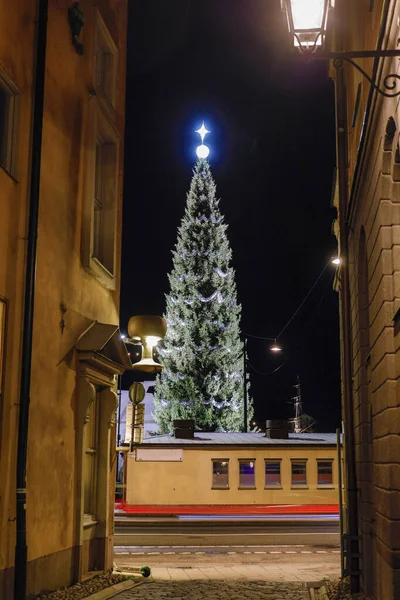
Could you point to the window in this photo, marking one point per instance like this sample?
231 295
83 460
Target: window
3 308
220 474
90 434
8 111
272 473
246 474
106 63
104 204
101 200
99 226
325 473
299 473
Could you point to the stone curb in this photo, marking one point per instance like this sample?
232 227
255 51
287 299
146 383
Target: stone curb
319 593
113 590
317 590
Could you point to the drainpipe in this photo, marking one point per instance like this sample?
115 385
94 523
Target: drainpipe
20 567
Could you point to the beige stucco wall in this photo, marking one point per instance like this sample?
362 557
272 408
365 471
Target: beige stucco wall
16 31
376 341
190 481
62 279
60 276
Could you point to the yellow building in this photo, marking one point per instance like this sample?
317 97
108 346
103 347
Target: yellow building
370 178
59 292
233 469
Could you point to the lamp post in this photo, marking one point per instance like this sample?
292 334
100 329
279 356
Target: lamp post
308 23
146 330
274 348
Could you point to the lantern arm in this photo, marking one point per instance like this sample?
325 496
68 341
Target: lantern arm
389 82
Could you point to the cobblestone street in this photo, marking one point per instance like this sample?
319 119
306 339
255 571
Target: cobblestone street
215 590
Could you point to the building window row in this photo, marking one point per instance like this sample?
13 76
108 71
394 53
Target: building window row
272 473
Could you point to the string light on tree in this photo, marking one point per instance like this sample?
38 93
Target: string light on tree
202 151
202 351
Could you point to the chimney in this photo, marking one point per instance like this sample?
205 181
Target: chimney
183 429
277 429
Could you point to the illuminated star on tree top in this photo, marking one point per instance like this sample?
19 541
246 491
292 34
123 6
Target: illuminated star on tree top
202 131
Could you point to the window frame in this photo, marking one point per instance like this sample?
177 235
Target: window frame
103 252
247 461
325 486
214 486
92 420
104 41
100 128
295 485
272 486
10 163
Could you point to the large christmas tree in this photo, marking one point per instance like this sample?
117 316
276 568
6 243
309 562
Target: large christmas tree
202 352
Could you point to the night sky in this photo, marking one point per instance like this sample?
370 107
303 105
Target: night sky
271 117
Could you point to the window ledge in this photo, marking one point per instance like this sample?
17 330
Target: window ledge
220 488
89 521
325 487
9 173
247 487
273 487
101 273
299 487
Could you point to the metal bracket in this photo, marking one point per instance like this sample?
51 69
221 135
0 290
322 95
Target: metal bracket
389 83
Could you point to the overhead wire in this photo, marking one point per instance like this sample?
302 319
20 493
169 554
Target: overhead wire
260 373
258 337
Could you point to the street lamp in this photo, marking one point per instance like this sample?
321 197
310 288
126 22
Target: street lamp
146 330
308 21
274 348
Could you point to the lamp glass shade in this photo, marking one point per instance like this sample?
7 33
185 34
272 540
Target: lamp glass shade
308 14
307 20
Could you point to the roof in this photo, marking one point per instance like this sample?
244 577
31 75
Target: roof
202 438
104 340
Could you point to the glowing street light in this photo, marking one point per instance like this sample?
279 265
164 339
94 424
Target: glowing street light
275 347
147 330
336 260
307 21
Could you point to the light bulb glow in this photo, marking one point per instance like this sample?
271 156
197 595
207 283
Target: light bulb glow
202 131
202 151
151 340
336 260
276 348
307 14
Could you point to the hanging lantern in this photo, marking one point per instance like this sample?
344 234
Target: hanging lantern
307 21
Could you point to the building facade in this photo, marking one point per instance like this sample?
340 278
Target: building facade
233 469
76 351
372 170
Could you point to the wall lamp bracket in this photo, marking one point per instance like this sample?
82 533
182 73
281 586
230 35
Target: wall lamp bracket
390 82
